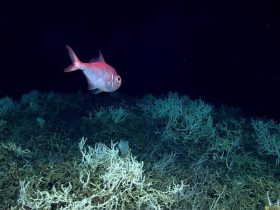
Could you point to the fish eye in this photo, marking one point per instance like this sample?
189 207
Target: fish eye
118 79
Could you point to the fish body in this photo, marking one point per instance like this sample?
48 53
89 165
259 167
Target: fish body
101 77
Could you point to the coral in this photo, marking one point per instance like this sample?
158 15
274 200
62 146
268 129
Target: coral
182 119
267 134
118 114
227 162
106 181
6 104
16 150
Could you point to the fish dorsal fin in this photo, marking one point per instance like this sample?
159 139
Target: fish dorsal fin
100 58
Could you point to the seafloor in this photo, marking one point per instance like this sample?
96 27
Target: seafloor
113 151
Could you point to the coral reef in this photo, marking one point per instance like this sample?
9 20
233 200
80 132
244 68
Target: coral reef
183 154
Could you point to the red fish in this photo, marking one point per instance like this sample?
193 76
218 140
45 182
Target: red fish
101 77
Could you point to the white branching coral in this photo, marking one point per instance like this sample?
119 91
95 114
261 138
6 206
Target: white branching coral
107 181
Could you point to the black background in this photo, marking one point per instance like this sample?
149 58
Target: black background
225 52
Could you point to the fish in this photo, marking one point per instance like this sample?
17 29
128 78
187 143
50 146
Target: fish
100 76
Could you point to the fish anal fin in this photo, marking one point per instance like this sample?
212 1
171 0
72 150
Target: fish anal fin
96 91
91 86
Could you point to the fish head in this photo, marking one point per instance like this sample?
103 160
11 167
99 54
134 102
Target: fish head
101 76
116 82
106 79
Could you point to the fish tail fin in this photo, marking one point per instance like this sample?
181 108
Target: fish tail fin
75 60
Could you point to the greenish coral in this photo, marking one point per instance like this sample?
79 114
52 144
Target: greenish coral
16 150
181 118
6 104
267 134
117 115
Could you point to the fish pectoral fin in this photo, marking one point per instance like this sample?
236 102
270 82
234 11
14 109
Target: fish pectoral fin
91 86
96 91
